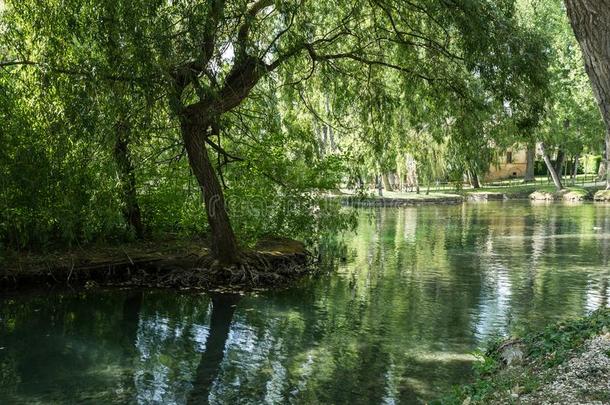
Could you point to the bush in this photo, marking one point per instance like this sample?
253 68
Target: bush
540 168
591 163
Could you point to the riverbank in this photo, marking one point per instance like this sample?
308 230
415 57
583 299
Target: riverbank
175 263
567 363
522 191
532 191
398 199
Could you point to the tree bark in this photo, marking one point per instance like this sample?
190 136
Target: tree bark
474 179
530 154
224 244
551 168
601 172
590 20
386 182
559 160
378 185
575 167
330 132
323 140
606 166
122 157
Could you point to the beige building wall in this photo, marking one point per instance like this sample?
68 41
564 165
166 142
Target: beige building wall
510 164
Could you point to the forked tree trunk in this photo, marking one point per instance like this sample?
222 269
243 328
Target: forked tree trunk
590 20
551 168
224 244
530 156
122 157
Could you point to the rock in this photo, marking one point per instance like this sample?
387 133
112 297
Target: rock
573 195
602 196
583 380
576 195
511 352
544 196
482 196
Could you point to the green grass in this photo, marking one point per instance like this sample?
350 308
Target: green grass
544 351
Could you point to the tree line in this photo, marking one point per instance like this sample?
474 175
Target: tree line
124 119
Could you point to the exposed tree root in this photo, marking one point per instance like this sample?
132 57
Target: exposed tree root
269 266
254 270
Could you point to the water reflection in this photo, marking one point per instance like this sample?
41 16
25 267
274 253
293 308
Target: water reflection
421 289
223 308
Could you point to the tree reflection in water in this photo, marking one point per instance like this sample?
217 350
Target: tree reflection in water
422 288
223 308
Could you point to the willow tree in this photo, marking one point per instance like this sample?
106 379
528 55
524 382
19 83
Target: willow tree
590 20
206 57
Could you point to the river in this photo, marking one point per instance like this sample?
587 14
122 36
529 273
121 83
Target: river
420 289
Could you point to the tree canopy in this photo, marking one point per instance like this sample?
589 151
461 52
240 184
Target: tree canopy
122 116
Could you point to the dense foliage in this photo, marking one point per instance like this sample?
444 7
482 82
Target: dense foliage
119 115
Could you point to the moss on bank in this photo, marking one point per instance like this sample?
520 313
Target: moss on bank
544 356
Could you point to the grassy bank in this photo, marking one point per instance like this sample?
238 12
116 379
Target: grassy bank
568 362
510 191
397 199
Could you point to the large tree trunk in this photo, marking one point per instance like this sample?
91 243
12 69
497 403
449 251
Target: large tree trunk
590 20
551 168
122 157
224 244
530 156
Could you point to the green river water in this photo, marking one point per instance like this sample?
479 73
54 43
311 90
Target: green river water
420 290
